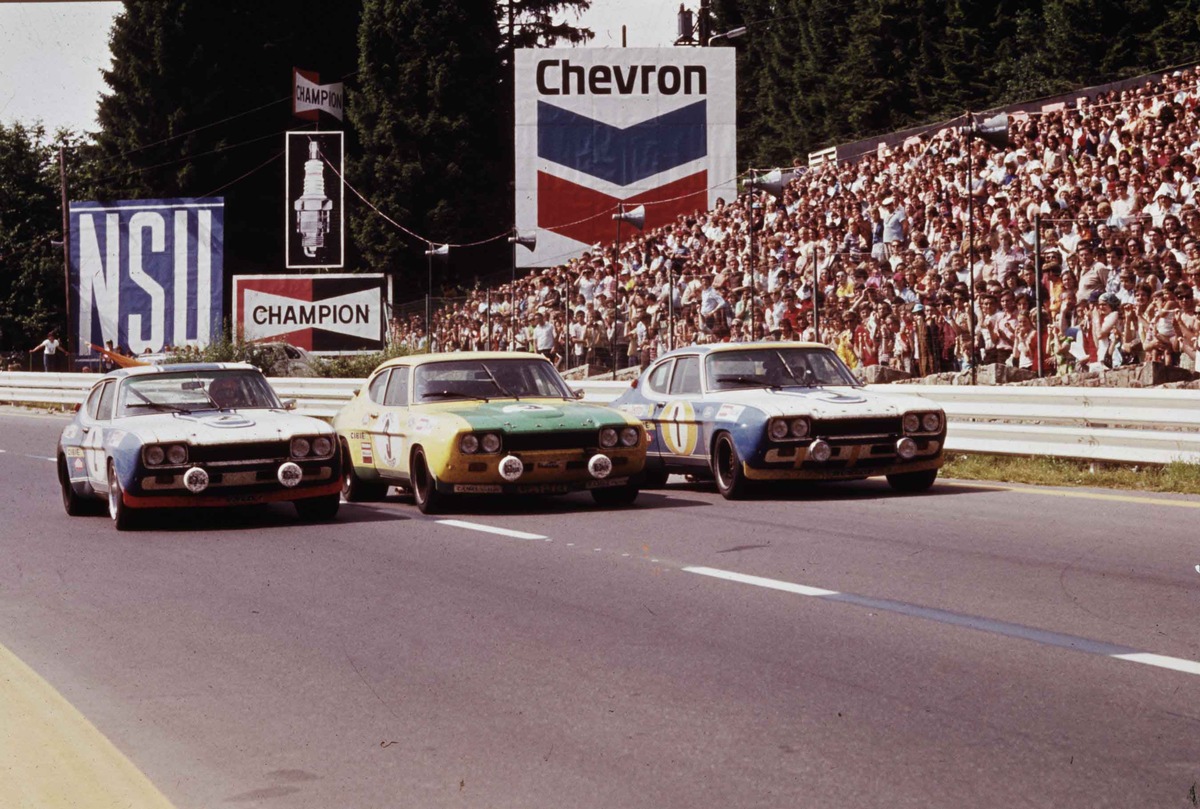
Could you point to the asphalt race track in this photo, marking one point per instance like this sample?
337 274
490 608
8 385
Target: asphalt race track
839 646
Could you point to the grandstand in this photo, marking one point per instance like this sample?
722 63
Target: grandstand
882 244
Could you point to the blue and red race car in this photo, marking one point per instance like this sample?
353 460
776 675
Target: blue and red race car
188 435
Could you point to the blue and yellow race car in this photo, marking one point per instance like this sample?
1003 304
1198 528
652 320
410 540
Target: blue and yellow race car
748 412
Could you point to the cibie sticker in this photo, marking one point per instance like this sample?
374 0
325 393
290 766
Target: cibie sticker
730 412
526 408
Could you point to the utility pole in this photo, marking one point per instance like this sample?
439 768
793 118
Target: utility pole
703 24
66 231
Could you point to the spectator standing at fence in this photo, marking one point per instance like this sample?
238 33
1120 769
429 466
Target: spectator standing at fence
49 348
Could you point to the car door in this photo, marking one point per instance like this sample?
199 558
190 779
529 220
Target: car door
369 420
394 434
654 390
678 426
98 415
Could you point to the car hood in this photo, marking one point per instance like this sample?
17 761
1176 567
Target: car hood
824 403
225 427
526 414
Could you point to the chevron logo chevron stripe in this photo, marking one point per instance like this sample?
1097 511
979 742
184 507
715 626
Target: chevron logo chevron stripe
622 156
561 203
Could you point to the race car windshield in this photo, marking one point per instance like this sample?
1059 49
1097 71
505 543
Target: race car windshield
195 390
776 368
488 379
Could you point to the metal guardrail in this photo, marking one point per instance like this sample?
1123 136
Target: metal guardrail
1144 425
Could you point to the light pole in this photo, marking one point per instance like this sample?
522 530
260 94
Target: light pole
434 250
994 130
637 218
529 242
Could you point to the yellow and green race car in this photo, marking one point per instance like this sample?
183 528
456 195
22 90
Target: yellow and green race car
478 423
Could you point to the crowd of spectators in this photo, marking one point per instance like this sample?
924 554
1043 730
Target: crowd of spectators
882 246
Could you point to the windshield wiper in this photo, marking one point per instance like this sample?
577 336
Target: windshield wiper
500 387
452 394
155 405
789 370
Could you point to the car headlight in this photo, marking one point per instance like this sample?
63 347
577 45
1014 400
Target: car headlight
779 430
932 422
799 428
608 437
490 442
629 437
177 454
300 447
155 455
469 444
912 423
322 446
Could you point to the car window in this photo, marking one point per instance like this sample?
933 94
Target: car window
191 391
105 410
292 354
686 379
397 389
487 379
376 388
660 377
93 401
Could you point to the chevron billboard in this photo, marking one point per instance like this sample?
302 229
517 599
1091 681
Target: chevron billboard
323 314
601 126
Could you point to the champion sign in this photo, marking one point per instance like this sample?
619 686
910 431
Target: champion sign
600 127
146 274
321 313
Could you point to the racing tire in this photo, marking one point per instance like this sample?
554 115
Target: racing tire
318 509
615 496
424 487
911 482
727 469
74 504
354 488
654 478
123 517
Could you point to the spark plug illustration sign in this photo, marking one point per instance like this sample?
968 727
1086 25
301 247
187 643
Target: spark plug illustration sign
315 202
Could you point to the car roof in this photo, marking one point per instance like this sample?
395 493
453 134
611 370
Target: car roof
184 367
446 356
714 348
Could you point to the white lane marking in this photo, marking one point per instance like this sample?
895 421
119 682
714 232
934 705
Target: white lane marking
758 581
41 458
1162 661
1059 639
490 529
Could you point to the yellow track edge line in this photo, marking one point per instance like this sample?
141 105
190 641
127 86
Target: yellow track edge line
52 757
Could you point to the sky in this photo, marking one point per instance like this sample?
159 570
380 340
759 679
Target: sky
52 53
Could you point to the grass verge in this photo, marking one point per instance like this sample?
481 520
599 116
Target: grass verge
1182 478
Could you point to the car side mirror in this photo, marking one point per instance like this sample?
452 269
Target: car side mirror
289 404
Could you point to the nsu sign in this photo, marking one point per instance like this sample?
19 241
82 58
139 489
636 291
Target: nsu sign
147 274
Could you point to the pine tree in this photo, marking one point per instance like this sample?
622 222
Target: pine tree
429 120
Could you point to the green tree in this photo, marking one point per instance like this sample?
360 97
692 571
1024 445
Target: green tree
541 23
428 116
31 265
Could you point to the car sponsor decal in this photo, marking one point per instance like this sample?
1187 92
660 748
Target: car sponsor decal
78 464
729 412
678 425
638 411
422 425
73 452
549 465
543 488
476 488
526 408
368 456
71 431
114 437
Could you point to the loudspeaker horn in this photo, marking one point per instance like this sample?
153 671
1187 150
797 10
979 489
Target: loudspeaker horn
634 216
526 240
438 250
994 130
773 182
